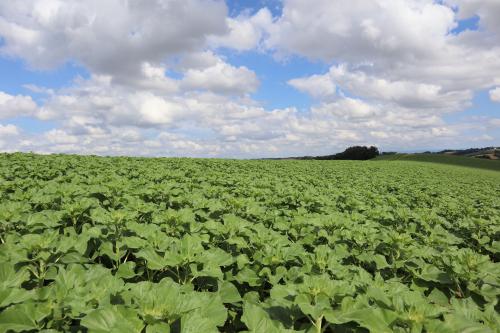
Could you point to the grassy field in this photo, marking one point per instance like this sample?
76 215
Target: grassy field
470 162
194 245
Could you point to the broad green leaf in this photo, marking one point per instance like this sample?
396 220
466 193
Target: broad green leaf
126 270
432 273
113 319
21 317
13 295
158 328
257 320
154 261
228 292
380 261
374 319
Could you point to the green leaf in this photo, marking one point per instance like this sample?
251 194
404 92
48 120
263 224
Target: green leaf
438 297
380 261
196 323
9 277
432 273
216 257
257 320
114 319
494 247
134 242
228 292
213 309
14 295
126 270
375 319
20 317
249 276
154 261
158 328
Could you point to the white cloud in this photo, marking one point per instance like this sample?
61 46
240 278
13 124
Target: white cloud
197 60
16 105
361 30
488 12
151 77
59 136
97 104
154 110
399 59
406 93
110 36
495 95
319 86
347 108
403 93
245 32
9 135
8 130
98 117
401 51
221 78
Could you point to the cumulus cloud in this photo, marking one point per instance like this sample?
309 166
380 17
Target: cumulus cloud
107 37
347 108
319 86
97 103
400 60
221 78
488 12
16 105
403 93
101 118
401 50
361 30
222 126
245 32
9 135
8 130
151 77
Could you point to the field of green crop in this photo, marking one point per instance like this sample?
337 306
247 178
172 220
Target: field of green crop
463 161
191 245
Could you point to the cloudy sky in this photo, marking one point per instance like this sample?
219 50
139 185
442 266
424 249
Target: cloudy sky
248 78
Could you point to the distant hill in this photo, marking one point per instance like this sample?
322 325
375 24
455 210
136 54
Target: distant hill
359 153
465 160
482 158
490 153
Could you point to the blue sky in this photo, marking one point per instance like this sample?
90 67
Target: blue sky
258 82
236 7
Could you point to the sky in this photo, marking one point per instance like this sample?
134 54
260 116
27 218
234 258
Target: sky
248 78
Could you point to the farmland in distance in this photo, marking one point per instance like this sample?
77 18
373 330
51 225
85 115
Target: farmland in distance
118 244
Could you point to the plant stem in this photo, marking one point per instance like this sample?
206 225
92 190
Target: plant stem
318 323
